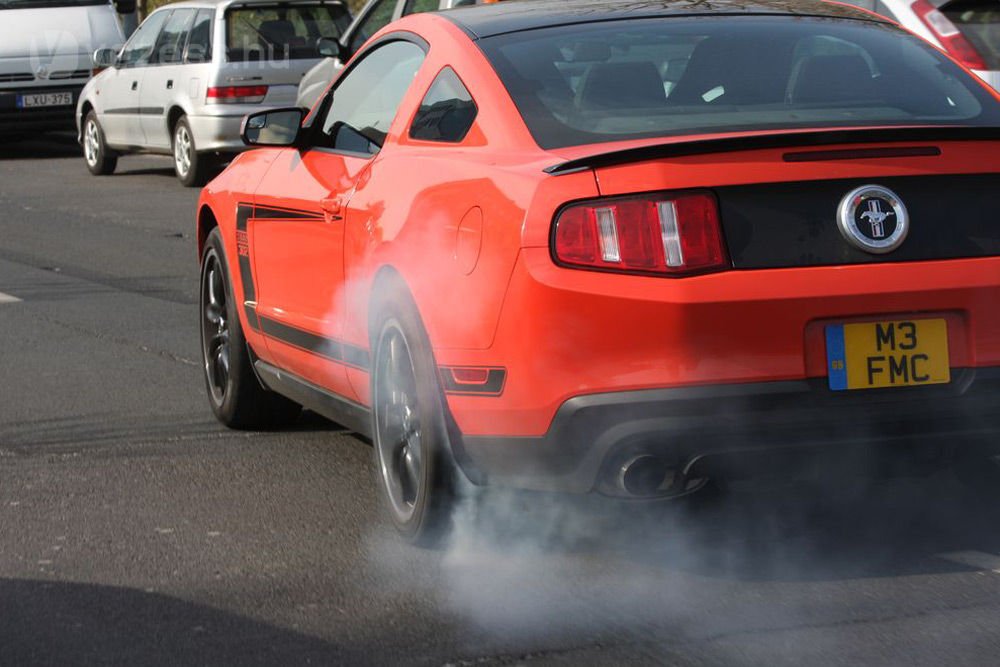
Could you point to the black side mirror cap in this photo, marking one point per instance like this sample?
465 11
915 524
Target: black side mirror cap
274 127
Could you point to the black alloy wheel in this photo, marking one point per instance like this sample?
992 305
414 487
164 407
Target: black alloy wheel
215 329
236 395
416 474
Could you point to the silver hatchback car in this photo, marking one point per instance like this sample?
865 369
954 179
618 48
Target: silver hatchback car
183 82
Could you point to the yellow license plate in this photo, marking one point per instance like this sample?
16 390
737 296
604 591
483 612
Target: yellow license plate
899 353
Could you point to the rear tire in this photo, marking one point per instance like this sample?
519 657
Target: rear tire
234 392
99 158
193 169
415 472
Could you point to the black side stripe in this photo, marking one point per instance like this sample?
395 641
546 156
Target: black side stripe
275 213
243 214
328 348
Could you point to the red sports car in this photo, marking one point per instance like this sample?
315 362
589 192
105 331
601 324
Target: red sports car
619 248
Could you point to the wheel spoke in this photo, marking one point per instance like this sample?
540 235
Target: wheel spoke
219 339
221 366
215 286
213 315
411 462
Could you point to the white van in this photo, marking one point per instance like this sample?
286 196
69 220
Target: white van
46 52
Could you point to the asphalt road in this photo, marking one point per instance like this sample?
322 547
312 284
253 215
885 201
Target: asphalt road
134 530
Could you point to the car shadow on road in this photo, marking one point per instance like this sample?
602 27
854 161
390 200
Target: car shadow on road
166 171
58 623
40 147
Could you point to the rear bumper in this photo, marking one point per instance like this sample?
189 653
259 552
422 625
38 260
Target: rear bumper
735 429
15 121
218 133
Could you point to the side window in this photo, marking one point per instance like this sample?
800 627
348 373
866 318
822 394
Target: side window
139 49
377 18
199 46
366 99
282 31
419 6
170 45
446 112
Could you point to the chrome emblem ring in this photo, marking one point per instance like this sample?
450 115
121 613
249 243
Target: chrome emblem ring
873 218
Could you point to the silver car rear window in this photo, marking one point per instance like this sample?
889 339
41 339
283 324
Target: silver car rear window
282 31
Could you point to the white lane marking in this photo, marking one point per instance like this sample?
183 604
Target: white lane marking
977 559
7 298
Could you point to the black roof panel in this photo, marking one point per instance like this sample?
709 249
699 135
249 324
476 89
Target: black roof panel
516 15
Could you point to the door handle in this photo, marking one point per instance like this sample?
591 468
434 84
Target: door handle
332 207
135 85
170 84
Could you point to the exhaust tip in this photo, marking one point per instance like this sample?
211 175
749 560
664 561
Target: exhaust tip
644 475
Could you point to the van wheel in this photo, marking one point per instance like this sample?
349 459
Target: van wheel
234 392
100 160
416 475
192 168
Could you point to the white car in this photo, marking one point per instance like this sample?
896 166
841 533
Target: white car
45 58
968 30
183 82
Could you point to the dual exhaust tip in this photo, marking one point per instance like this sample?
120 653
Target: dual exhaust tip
645 476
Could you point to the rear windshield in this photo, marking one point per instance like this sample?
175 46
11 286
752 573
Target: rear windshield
979 22
282 32
643 78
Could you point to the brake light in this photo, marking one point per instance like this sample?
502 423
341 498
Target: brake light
672 236
236 95
951 38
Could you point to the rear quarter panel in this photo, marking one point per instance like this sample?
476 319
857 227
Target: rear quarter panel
447 218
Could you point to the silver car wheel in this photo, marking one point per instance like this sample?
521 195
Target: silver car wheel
182 150
91 143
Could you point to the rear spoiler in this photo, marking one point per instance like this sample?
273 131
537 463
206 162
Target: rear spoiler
780 140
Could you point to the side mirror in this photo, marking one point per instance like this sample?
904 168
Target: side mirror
277 127
125 6
330 48
105 57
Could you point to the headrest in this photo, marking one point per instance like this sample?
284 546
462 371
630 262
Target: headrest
622 85
830 78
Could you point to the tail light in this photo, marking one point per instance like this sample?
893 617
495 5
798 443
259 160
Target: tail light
237 95
671 235
951 38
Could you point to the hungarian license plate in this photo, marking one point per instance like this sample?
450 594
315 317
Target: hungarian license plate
898 353
30 100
